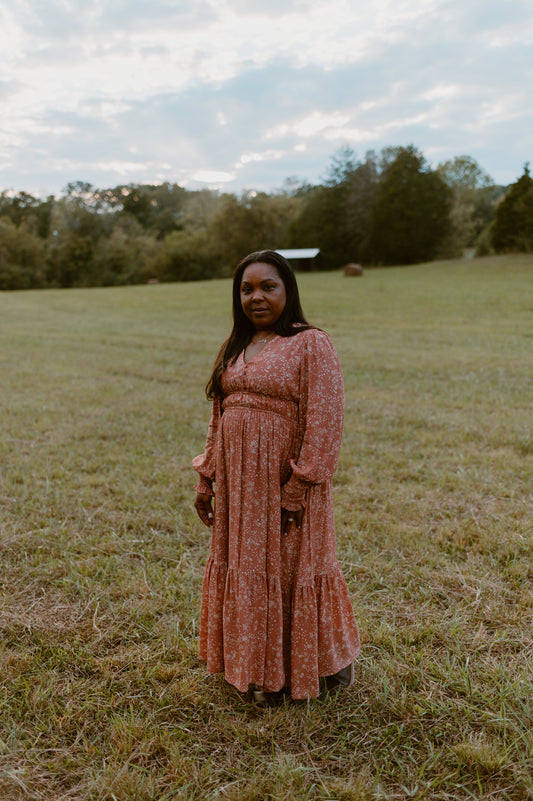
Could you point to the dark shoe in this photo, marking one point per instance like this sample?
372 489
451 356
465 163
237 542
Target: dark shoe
341 679
263 698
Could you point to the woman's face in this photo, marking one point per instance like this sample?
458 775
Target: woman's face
263 295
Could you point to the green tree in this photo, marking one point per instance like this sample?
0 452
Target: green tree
127 256
23 207
254 221
187 256
200 207
410 214
473 203
360 188
513 224
78 221
335 216
319 224
342 164
22 257
158 208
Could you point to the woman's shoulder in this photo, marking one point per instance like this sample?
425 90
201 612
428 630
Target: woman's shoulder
313 336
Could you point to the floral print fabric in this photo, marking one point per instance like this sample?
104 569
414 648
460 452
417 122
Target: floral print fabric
275 608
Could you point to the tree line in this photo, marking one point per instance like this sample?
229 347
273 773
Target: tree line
383 209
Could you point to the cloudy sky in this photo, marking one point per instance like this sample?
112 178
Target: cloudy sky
242 94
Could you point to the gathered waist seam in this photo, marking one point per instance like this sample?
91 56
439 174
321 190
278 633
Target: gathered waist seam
287 409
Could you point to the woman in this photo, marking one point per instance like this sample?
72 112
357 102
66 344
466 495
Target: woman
275 606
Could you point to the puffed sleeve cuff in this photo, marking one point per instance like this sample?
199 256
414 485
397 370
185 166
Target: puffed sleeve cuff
204 486
204 464
293 494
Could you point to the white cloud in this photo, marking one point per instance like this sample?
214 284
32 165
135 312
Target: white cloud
504 37
505 109
126 168
94 59
318 122
198 88
212 176
442 91
267 155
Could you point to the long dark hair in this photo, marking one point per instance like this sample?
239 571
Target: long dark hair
243 329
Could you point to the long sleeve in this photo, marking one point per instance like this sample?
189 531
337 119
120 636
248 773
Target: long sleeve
321 415
205 463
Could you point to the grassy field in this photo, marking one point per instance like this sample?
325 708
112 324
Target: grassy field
102 695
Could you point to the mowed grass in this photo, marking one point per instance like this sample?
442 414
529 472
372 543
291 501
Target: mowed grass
102 409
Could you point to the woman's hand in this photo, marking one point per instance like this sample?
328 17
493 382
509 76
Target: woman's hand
204 506
289 519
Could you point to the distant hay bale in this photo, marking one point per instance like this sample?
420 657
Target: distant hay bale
353 269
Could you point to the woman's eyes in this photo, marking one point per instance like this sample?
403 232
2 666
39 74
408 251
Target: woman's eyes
246 290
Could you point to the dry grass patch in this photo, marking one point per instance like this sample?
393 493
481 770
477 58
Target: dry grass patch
102 697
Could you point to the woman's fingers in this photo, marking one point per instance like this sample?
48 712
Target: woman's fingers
289 519
204 507
206 516
298 517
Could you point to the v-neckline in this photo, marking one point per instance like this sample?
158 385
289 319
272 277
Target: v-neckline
260 352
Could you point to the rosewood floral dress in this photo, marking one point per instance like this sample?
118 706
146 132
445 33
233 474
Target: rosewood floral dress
275 608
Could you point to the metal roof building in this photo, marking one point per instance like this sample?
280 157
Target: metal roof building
301 258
